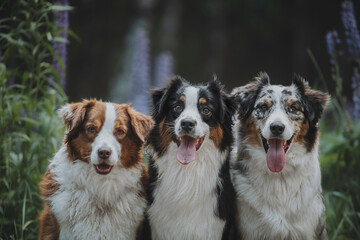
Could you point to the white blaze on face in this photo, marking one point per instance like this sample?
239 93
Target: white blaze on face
278 114
106 138
191 111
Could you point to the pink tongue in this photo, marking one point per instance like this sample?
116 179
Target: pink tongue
275 157
187 150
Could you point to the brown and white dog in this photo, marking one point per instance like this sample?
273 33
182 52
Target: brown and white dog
190 191
94 187
275 169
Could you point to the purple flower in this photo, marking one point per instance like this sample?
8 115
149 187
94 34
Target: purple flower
351 31
140 72
356 94
61 23
332 39
164 68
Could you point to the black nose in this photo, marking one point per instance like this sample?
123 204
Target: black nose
104 152
188 124
277 128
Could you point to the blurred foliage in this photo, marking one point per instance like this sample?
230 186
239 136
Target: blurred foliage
30 93
340 155
340 140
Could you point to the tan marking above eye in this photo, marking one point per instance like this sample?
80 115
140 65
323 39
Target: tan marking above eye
202 100
268 102
183 98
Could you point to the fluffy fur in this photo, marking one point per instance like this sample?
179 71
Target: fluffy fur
196 200
84 200
286 204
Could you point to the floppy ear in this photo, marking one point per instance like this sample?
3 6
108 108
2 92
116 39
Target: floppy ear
227 105
314 101
74 114
160 96
140 123
246 96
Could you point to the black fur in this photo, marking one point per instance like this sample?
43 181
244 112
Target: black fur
223 108
227 209
314 103
153 176
246 96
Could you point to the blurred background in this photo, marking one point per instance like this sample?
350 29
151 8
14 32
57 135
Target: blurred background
58 51
232 39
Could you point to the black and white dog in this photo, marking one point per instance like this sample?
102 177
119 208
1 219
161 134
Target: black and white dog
190 193
275 169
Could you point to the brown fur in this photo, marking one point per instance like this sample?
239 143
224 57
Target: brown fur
251 133
165 136
144 182
135 128
49 227
78 139
216 135
140 123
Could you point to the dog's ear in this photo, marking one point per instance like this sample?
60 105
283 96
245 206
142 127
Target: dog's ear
140 123
314 101
160 96
246 96
74 114
227 106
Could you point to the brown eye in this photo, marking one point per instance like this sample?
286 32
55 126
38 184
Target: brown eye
293 109
264 107
91 129
177 108
120 132
206 111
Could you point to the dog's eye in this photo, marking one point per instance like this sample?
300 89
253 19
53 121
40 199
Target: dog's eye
293 109
264 107
206 111
177 108
120 132
91 129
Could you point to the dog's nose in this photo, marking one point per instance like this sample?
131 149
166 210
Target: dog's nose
188 124
277 128
104 152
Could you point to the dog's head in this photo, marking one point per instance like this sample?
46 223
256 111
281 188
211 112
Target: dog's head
275 117
105 135
190 116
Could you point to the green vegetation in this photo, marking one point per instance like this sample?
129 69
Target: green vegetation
30 130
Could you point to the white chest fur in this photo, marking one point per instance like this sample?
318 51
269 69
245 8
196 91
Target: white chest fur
284 205
92 206
185 198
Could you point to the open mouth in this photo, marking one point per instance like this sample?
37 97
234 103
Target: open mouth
286 144
275 152
103 168
187 148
